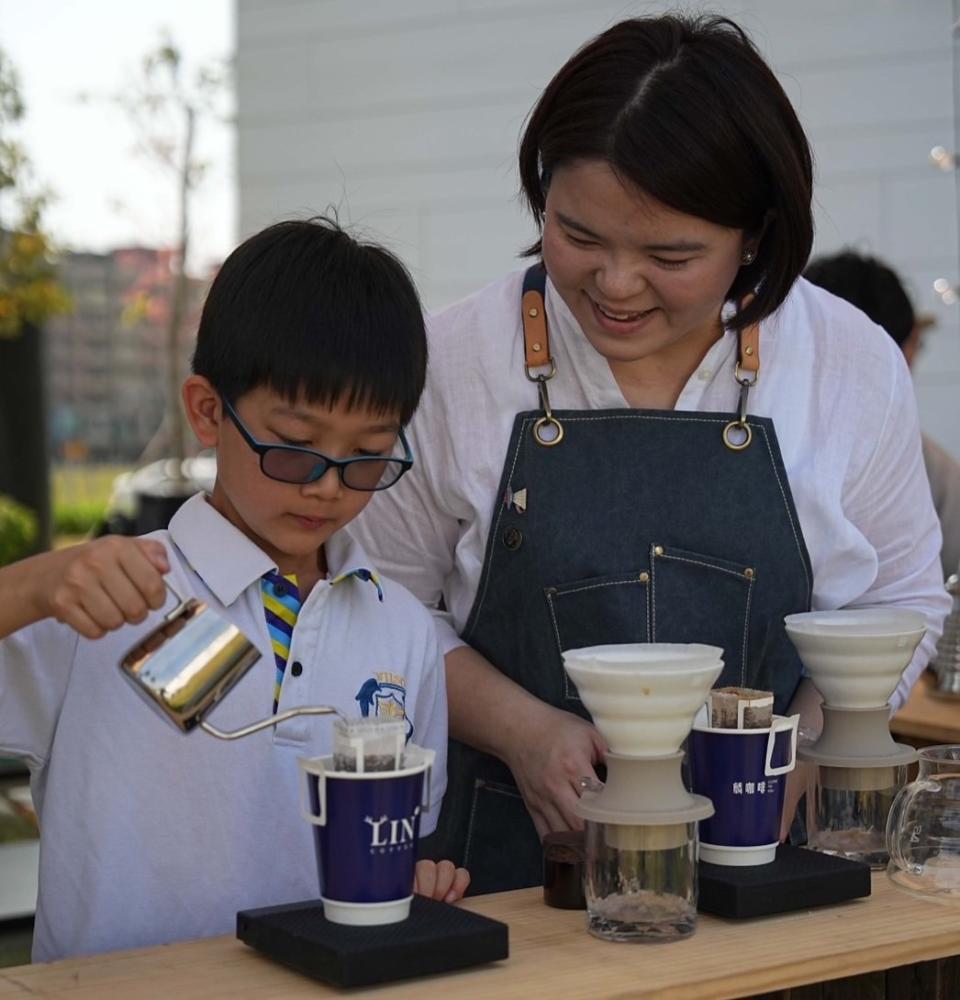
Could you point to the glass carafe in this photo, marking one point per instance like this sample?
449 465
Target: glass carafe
640 882
923 829
847 810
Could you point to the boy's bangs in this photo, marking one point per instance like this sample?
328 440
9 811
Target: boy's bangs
310 312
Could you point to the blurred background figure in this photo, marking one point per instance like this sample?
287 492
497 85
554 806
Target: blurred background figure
875 289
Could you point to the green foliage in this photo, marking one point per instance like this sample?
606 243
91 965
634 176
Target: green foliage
29 291
77 518
18 531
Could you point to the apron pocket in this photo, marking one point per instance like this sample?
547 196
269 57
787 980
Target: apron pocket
702 598
503 850
597 611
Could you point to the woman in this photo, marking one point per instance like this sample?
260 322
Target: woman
655 433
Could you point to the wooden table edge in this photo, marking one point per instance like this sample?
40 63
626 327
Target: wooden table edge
786 972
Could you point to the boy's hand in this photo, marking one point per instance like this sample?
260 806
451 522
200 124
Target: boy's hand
98 586
441 880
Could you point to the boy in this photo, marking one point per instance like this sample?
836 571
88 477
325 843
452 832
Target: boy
310 358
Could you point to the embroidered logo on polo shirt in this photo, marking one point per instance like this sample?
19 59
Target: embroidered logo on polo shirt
384 696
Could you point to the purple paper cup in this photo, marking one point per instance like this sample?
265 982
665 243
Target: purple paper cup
743 772
366 826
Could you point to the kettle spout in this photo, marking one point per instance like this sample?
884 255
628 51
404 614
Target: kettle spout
273 720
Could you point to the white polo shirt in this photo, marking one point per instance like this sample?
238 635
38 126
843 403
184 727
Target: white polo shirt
149 835
835 385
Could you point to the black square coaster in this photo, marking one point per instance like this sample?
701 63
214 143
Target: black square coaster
436 937
797 880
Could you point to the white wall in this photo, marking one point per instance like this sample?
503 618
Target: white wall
406 117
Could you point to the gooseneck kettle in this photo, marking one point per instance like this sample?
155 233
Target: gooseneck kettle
190 661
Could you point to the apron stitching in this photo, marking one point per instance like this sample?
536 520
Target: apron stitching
746 616
596 586
556 628
556 634
645 416
746 633
706 565
473 813
649 611
652 620
485 582
786 507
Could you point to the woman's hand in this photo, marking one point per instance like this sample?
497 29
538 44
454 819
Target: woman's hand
547 750
101 585
555 750
441 880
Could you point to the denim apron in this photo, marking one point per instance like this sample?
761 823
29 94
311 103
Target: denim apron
616 526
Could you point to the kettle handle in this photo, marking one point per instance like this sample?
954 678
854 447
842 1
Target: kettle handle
182 602
273 720
899 810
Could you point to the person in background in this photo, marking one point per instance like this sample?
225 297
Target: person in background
310 358
656 433
875 289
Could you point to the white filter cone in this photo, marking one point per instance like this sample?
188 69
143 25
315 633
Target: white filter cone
643 696
855 658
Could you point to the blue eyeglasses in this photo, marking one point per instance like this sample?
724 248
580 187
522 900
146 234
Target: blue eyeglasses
288 463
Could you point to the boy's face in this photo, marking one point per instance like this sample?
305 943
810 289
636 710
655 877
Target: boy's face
290 522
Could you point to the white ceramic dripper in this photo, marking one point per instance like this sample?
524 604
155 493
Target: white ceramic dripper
641 824
855 658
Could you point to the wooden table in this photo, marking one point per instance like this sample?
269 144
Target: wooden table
927 719
551 955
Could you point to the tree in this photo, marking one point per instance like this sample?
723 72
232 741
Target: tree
29 294
166 108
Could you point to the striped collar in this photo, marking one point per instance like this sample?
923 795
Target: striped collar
228 562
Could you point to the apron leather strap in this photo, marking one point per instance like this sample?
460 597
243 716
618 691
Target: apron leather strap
737 434
749 357
536 338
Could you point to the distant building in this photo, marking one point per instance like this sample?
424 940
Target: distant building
107 361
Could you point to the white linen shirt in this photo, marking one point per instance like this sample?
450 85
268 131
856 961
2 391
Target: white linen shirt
149 835
835 384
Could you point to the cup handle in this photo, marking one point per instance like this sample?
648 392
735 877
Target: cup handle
781 725
428 758
317 819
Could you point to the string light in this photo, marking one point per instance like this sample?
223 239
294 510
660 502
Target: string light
943 159
947 293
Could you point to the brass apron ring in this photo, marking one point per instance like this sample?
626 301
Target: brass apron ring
548 419
737 425
542 424
740 424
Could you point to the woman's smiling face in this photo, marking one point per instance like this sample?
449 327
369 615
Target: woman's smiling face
641 279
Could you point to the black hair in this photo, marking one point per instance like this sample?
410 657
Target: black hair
305 308
868 284
685 109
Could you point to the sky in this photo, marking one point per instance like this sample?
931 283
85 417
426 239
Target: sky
105 193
